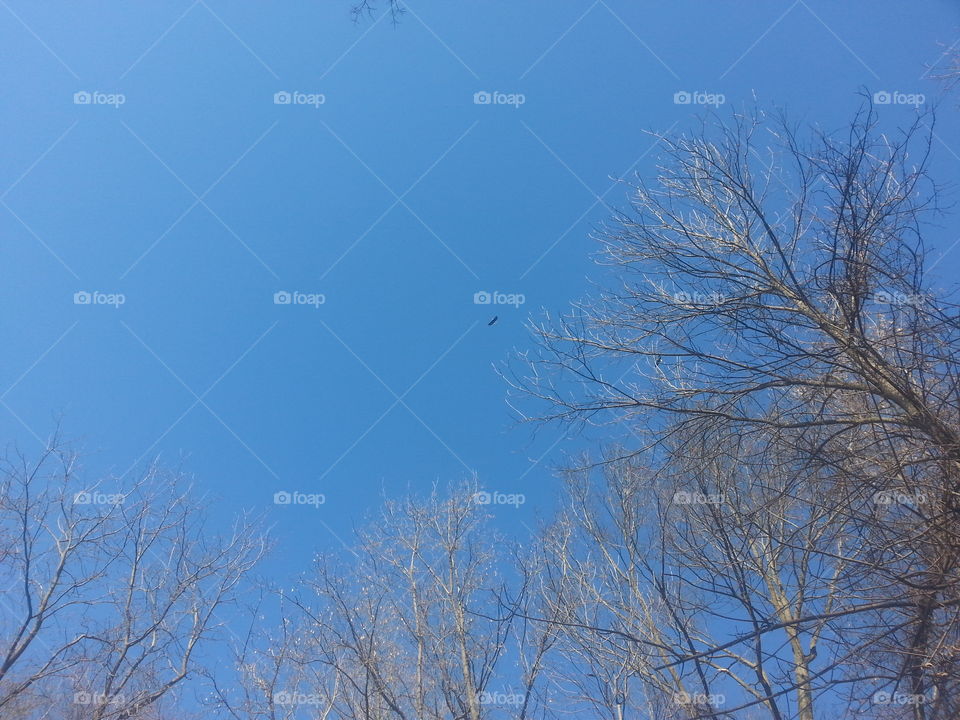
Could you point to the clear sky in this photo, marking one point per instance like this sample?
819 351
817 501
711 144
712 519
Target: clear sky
178 183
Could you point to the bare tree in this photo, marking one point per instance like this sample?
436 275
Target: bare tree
109 593
279 674
712 587
412 623
775 289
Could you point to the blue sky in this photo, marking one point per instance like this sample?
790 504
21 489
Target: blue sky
397 199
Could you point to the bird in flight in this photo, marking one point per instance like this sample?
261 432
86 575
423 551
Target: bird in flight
494 320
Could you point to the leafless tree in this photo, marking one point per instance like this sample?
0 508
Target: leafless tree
279 675
109 592
410 623
712 587
774 290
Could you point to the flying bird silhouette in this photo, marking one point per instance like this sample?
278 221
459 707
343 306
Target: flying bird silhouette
494 320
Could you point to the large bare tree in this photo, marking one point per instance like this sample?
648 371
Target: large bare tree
774 289
109 592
